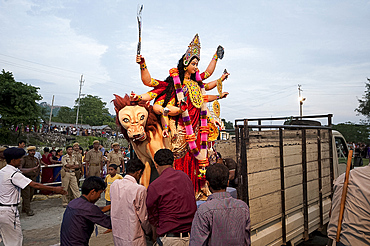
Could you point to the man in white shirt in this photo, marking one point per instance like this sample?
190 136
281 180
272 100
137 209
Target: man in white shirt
11 183
128 212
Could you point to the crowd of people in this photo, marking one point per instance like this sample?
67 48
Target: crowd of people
66 130
166 212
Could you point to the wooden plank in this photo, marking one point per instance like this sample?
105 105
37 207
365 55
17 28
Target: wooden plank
263 183
264 207
293 196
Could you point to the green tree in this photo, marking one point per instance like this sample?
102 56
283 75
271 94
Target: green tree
228 124
354 132
65 115
364 107
93 111
18 102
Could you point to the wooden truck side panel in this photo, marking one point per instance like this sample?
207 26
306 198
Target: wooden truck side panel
264 184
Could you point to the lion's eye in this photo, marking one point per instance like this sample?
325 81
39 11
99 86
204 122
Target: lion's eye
142 117
125 120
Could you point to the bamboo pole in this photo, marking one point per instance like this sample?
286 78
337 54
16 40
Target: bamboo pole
344 194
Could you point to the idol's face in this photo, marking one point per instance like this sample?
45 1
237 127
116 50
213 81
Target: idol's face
193 66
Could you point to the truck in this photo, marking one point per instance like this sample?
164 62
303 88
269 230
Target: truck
285 173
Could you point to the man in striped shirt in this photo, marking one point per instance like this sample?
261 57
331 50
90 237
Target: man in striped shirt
222 220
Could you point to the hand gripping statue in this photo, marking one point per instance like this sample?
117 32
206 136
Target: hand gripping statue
180 101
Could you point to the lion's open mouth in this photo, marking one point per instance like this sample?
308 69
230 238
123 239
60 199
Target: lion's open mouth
142 137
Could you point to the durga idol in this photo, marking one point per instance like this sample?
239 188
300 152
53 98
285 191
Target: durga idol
181 103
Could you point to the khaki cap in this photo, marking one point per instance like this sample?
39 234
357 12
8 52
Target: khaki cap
31 148
2 148
76 144
96 141
114 144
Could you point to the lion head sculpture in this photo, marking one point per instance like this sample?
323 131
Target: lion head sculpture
136 119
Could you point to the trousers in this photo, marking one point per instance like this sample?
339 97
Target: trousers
27 194
94 171
69 181
8 234
172 241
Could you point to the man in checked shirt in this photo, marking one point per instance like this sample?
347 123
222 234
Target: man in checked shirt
222 220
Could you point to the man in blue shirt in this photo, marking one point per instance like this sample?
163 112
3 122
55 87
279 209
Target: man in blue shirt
222 220
82 214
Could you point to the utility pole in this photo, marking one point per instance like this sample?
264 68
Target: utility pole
79 96
300 99
51 111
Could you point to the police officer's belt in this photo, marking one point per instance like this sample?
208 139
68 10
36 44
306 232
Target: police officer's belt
9 205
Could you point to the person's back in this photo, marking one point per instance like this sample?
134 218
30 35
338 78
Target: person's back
171 201
356 217
176 201
228 218
129 214
222 220
82 214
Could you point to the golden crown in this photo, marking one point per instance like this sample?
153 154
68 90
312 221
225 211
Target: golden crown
193 50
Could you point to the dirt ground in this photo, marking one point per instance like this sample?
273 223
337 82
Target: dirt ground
43 229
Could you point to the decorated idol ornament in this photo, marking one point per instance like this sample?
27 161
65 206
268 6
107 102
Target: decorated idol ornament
193 50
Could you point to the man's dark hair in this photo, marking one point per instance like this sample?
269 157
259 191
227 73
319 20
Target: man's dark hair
46 149
21 141
13 153
164 157
81 148
217 175
134 165
91 147
218 155
114 166
69 146
92 183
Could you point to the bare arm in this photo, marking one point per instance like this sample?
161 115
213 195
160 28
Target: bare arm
54 161
212 65
58 190
211 98
135 97
105 209
145 75
213 84
29 170
43 163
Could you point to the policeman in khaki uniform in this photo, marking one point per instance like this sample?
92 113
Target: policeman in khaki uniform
94 160
77 154
2 159
11 182
116 157
27 162
69 180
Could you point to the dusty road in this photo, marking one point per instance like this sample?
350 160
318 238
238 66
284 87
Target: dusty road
43 228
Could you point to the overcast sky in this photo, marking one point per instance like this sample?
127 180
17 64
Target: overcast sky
270 48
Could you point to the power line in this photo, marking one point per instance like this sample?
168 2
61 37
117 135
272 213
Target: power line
62 69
